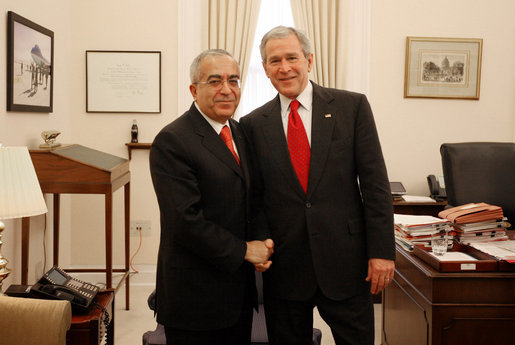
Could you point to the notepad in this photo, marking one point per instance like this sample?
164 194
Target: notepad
454 256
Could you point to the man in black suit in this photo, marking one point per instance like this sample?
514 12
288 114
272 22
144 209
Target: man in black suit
325 197
199 167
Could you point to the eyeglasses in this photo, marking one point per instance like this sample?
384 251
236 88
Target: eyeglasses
216 84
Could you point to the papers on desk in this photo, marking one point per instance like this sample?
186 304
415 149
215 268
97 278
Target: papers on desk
472 213
477 222
417 198
454 256
411 230
502 250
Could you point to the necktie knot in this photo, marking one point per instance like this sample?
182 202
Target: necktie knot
225 134
294 105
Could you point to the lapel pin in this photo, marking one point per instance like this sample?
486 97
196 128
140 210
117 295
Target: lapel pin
327 116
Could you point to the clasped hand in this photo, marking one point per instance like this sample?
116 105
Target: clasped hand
259 252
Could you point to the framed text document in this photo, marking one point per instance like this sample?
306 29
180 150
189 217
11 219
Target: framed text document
123 81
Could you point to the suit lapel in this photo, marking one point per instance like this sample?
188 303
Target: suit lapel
323 118
212 142
239 140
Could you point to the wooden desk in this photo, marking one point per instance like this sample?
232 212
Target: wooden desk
89 328
418 208
424 306
78 169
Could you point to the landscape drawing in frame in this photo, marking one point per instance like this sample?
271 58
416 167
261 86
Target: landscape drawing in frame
30 66
443 67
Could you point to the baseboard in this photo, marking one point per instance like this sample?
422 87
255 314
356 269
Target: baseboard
145 276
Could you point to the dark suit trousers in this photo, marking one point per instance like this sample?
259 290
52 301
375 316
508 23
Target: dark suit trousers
238 334
291 322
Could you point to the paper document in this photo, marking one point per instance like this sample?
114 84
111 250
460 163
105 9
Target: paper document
413 220
454 256
417 198
502 250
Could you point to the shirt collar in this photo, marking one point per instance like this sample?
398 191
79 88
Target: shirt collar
217 126
305 98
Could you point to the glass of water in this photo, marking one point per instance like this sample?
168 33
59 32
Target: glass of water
439 243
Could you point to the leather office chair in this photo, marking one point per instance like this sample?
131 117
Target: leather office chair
480 172
259 334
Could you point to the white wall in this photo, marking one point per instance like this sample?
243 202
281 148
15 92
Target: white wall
120 25
412 129
23 129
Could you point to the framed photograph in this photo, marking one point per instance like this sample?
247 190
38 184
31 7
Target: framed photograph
443 67
123 81
30 65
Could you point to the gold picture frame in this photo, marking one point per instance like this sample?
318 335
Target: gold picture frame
443 67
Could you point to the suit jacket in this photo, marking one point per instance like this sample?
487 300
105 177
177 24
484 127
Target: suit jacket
203 196
323 238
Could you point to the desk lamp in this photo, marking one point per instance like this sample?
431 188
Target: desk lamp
20 192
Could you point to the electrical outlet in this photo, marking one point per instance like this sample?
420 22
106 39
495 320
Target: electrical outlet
144 225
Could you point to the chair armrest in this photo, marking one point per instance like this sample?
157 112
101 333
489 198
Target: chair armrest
34 321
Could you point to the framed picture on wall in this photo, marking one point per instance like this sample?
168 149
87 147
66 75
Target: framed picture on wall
123 81
443 67
30 65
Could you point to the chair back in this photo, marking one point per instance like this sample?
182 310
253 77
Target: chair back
34 321
480 172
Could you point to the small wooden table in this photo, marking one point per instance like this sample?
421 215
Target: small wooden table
81 170
137 146
89 328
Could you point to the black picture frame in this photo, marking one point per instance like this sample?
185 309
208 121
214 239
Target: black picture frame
30 65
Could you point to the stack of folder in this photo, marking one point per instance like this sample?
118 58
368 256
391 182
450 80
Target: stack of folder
477 223
411 230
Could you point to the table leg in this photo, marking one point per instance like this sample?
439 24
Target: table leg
57 204
109 239
25 236
127 192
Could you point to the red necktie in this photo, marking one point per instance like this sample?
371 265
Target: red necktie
298 145
225 134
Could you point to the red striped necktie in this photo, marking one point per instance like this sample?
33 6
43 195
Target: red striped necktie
298 145
225 134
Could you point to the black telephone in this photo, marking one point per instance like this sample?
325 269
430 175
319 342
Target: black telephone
435 190
57 284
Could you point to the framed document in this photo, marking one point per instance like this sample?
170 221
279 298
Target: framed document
123 81
443 67
30 65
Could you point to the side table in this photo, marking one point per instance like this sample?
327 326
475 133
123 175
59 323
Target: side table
89 328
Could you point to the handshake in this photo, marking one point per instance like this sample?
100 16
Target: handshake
259 252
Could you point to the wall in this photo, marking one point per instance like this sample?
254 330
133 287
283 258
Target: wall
413 129
93 25
120 25
23 129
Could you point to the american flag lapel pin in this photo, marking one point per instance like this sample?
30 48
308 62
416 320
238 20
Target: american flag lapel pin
327 116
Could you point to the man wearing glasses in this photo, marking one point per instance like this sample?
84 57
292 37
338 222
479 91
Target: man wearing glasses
205 271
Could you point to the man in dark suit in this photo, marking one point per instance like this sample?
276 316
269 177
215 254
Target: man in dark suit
325 198
199 167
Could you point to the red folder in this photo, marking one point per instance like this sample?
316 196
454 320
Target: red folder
471 213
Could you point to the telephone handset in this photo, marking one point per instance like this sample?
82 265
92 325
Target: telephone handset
57 284
436 188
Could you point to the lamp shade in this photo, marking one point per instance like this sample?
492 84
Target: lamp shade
20 192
